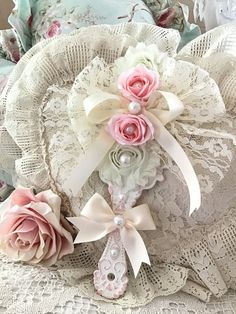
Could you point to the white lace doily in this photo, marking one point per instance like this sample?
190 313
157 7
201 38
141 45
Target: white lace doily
194 254
28 289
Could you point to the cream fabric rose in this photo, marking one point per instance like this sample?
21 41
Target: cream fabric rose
141 54
30 228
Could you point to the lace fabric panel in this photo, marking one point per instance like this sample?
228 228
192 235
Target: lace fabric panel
215 52
32 289
174 226
167 40
196 254
219 40
62 150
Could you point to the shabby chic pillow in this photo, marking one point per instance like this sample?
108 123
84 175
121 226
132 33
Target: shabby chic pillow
68 90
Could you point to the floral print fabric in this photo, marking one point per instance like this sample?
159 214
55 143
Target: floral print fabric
33 21
9 54
36 20
172 14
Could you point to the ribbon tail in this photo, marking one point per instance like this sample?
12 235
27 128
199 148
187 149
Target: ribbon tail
176 152
89 162
135 248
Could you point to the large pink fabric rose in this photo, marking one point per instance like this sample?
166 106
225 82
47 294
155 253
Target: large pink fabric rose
138 83
54 29
128 129
30 228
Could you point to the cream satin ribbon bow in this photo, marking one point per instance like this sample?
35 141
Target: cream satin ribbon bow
101 106
97 220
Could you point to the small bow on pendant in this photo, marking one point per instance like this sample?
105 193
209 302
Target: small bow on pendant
97 220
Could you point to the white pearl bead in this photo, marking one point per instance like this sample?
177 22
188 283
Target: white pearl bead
129 130
121 196
138 84
125 159
119 221
134 107
160 177
114 252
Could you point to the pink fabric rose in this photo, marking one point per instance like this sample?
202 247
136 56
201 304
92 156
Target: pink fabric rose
128 129
138 83
30 228
54 29
166 18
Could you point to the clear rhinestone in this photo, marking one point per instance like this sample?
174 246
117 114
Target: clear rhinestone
115 251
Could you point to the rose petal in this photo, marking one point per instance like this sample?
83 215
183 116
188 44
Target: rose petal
30 236
52 255
11 252
40 249
67 246
22 196
52 200
27 255
44 228
53 245
25 226
9 224
49 252
26 211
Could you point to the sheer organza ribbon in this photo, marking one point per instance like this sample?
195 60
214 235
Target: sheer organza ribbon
97 220
101 106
